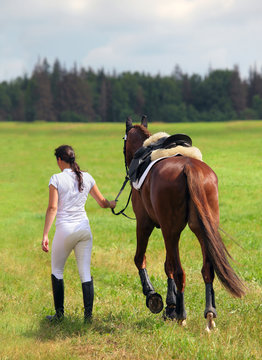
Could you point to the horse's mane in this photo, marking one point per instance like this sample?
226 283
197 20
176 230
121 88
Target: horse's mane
143 130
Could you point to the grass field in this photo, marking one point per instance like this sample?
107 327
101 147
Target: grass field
123 328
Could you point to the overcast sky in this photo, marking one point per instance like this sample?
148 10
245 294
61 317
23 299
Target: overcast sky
150 36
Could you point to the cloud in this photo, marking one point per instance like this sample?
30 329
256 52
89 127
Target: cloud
148 35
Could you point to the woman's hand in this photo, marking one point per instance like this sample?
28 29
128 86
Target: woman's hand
112 204
45 244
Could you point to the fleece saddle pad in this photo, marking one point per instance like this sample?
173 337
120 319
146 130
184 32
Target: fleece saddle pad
157 147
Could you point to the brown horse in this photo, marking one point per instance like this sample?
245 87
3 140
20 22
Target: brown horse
179 191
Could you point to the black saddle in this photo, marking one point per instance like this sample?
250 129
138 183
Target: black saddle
142 157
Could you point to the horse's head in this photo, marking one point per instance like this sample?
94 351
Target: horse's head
135 136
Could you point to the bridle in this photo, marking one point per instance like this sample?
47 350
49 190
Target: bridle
127 178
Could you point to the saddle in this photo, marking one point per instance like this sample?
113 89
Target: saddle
142 157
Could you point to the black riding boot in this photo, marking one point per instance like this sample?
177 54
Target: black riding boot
88 297
58 293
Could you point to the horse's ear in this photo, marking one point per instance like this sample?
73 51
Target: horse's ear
144 121
129 124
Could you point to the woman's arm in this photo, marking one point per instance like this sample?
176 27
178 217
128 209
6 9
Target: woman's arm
103 202
50 216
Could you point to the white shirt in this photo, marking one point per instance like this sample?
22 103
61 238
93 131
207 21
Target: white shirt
71 202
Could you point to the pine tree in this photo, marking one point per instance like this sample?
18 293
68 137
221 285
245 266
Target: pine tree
44 109
237 92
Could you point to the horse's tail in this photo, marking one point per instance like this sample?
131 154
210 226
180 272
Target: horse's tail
216 250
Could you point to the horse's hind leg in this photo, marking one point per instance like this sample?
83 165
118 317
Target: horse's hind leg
207 270
153 300
175 308
170 298
208 275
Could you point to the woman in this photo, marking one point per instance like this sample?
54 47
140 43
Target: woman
68 193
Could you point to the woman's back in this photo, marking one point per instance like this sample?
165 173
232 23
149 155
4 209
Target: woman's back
71 201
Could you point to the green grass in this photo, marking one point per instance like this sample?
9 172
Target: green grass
123 328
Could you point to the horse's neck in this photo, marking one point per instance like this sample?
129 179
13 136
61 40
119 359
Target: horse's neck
139 142
136 143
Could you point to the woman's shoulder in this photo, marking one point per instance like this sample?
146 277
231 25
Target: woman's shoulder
58 177
54 180
87 176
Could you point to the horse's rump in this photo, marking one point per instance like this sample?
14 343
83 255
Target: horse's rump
165 189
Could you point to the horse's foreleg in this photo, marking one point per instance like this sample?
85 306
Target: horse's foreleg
145 281
153 300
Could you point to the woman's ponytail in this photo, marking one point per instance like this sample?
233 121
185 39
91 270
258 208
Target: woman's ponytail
75 167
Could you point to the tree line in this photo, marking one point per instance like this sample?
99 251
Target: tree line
53 93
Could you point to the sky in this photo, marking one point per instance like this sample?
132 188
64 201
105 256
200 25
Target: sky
150 36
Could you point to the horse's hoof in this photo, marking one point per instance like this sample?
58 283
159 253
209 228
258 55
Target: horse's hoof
154 302
169 313
182 322
210 322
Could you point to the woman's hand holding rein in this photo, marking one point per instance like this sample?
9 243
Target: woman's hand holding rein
111 204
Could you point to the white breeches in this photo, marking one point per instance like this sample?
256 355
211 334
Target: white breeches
68 237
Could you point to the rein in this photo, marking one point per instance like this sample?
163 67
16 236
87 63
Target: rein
127 178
